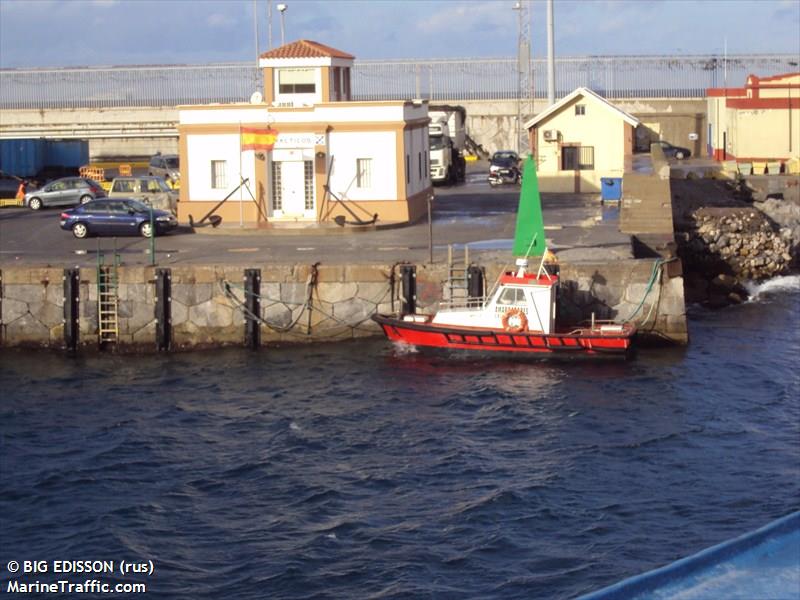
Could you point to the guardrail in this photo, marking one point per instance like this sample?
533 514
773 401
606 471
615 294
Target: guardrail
615 77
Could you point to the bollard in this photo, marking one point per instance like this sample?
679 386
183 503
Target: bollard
72 293
163 309
408 279
475 289
252 302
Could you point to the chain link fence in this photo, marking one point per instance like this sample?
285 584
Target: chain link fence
614 77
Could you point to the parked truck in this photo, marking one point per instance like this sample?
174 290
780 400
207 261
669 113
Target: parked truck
447 140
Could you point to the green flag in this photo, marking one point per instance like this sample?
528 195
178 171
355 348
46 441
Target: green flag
529 236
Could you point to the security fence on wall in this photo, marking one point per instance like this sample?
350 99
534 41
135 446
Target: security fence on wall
615 77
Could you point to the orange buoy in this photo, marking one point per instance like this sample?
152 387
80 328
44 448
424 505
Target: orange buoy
515 321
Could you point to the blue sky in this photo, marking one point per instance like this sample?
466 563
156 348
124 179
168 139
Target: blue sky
44 33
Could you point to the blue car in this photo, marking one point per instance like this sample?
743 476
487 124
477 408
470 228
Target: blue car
116 217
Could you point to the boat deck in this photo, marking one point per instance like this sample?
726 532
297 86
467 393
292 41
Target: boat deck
763 565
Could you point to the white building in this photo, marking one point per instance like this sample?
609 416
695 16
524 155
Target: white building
579 140
332 159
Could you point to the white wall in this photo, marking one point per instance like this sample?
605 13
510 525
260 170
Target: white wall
346 147
342 112
202 150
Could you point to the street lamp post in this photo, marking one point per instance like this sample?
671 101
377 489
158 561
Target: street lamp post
519 8
282 9
152 237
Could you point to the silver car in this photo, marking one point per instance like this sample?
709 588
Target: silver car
67 191
166 166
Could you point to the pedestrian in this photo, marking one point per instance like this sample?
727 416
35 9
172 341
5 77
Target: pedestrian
21 190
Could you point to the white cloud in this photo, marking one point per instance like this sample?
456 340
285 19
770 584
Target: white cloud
220 20
446 18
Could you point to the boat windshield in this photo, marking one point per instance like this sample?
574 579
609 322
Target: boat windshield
512 296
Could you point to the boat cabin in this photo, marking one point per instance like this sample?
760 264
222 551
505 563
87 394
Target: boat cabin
522 302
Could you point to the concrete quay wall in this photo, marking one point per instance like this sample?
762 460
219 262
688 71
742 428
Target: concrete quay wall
305 303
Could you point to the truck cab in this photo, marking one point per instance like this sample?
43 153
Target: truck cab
446 139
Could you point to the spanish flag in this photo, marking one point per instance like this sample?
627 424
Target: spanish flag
259 139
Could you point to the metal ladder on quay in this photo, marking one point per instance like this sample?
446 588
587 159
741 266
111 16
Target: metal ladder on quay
107 299
457 276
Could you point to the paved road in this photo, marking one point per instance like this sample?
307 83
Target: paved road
470 213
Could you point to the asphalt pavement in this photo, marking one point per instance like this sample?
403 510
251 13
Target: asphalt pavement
471 213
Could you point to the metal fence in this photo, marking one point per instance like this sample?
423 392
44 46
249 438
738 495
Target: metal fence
615 77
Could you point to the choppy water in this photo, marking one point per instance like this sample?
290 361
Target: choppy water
355 470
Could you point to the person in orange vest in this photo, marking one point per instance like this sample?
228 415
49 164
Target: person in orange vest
21 190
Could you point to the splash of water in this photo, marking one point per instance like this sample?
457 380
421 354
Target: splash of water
776 285
402 349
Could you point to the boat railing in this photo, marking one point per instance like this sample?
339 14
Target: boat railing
473 303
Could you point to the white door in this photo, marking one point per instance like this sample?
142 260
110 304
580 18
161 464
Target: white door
293 190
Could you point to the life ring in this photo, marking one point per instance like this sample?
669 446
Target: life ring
515 321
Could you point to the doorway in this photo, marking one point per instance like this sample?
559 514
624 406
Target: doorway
292 190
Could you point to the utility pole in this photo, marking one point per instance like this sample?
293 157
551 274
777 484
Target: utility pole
524 79
258 49
551 56
269 22
255 26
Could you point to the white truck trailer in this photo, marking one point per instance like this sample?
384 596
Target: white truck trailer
447 140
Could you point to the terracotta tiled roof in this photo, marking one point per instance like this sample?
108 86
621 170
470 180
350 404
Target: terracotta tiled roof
306 49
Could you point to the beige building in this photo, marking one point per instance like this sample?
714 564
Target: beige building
308 153
580 139
759 122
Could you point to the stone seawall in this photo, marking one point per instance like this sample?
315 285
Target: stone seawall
305 303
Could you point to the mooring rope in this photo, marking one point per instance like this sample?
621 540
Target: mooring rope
305 307
654 275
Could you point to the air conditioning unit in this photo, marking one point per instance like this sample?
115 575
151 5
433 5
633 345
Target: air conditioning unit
550 135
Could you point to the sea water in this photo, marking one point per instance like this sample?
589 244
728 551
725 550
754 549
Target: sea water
365 470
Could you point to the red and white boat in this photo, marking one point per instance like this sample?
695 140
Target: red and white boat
519 317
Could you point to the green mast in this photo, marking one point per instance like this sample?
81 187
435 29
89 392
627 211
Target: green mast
529 237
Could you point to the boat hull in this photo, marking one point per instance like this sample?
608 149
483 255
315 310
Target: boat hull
576 342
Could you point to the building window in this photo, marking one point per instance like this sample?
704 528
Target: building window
577 158
296 81
580 109
277 196
364 172
218 178
336 83
309 183
419 164
408 169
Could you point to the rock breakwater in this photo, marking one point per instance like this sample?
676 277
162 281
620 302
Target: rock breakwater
728 246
